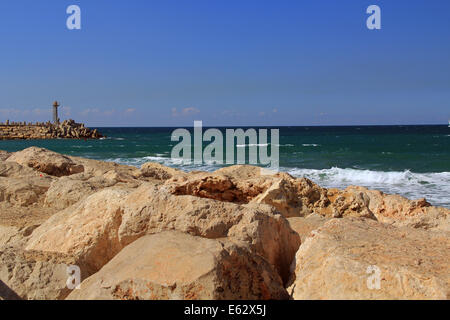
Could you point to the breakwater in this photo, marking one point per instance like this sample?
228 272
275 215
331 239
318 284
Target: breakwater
68 129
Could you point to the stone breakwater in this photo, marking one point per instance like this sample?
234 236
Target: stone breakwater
237 233
68 129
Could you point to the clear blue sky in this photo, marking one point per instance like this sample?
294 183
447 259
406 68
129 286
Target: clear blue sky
226 62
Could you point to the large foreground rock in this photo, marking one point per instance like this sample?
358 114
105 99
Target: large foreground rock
22 186
342 259
67 191
399 211
305 225
46 161
150 209
300 197
97 228
292 197
4 155
86 231
159 172
26 275
174 265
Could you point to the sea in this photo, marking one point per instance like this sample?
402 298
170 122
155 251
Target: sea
413 161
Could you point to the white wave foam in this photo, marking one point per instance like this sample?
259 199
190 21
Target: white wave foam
433 186
252 145
310 145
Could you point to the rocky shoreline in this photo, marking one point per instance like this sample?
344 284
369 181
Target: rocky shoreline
236 233
68 129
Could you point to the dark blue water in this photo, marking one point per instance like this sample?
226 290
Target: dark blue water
410 160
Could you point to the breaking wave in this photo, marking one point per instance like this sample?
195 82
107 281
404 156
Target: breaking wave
435 187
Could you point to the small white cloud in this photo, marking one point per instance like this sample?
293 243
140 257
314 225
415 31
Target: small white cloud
88 111
66 111
184 112
109 112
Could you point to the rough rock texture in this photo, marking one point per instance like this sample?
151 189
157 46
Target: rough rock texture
174 265
60 210
86 231
68 129
22 192
97 228
150 210
339 261
4 155
240 184
46 161
399 211
24 275
304 225
67 191
298 197
159 172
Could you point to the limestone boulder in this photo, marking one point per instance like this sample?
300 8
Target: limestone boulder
21 192
4 155
109 170
15 235
24 276
305 225
175 265
357 258
247 184
67 191
46 161
9 169
95 229
86 231
150 209
22 186
159 172
399 211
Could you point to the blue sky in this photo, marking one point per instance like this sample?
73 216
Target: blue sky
228 63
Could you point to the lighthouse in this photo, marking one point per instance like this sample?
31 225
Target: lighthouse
55 112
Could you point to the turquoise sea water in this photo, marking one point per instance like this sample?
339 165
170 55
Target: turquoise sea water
413 161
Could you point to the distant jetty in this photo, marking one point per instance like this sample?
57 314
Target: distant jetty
68 129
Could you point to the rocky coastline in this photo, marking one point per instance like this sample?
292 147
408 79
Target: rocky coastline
68 129
237 233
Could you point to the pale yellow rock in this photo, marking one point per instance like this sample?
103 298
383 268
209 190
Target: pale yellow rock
304 225
174 265
399 211
150 209
87 231
247 184
108 170
24 276
46 161
344 258
67 191
97 228
4 155
159 172
22 186
22 192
